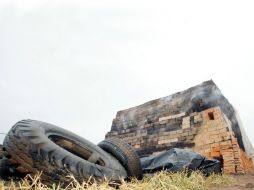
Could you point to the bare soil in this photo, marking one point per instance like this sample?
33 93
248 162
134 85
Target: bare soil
240 182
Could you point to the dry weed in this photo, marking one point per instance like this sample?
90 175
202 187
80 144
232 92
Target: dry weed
160 181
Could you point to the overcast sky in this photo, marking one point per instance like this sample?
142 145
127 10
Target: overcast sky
76 63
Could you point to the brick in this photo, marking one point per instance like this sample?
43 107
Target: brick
211 129
179 131
215 149
193 114
184 134
172 116
163 122
185 126
190 137
215 154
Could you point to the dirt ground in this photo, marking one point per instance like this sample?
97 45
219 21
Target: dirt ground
240 182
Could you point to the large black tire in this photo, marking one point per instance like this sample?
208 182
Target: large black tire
35 146
125 154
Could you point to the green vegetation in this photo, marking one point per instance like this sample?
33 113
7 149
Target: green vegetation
160 181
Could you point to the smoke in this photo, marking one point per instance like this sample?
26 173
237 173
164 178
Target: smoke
2 135
196 98
172 104
247 144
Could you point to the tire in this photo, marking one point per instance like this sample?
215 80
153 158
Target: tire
125 154
35 146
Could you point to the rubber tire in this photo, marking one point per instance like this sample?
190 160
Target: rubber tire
28 147
125 154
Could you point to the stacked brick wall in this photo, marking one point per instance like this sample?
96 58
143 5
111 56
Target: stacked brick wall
200 118
194 99
216 140
155 137
208 132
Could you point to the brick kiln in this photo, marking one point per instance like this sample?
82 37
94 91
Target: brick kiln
199 118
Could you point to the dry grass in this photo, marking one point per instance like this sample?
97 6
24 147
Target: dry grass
160 181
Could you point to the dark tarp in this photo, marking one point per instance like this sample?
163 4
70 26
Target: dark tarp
179 160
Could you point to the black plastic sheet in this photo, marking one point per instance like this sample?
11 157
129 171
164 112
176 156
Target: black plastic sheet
177 159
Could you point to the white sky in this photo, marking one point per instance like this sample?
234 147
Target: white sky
75 64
